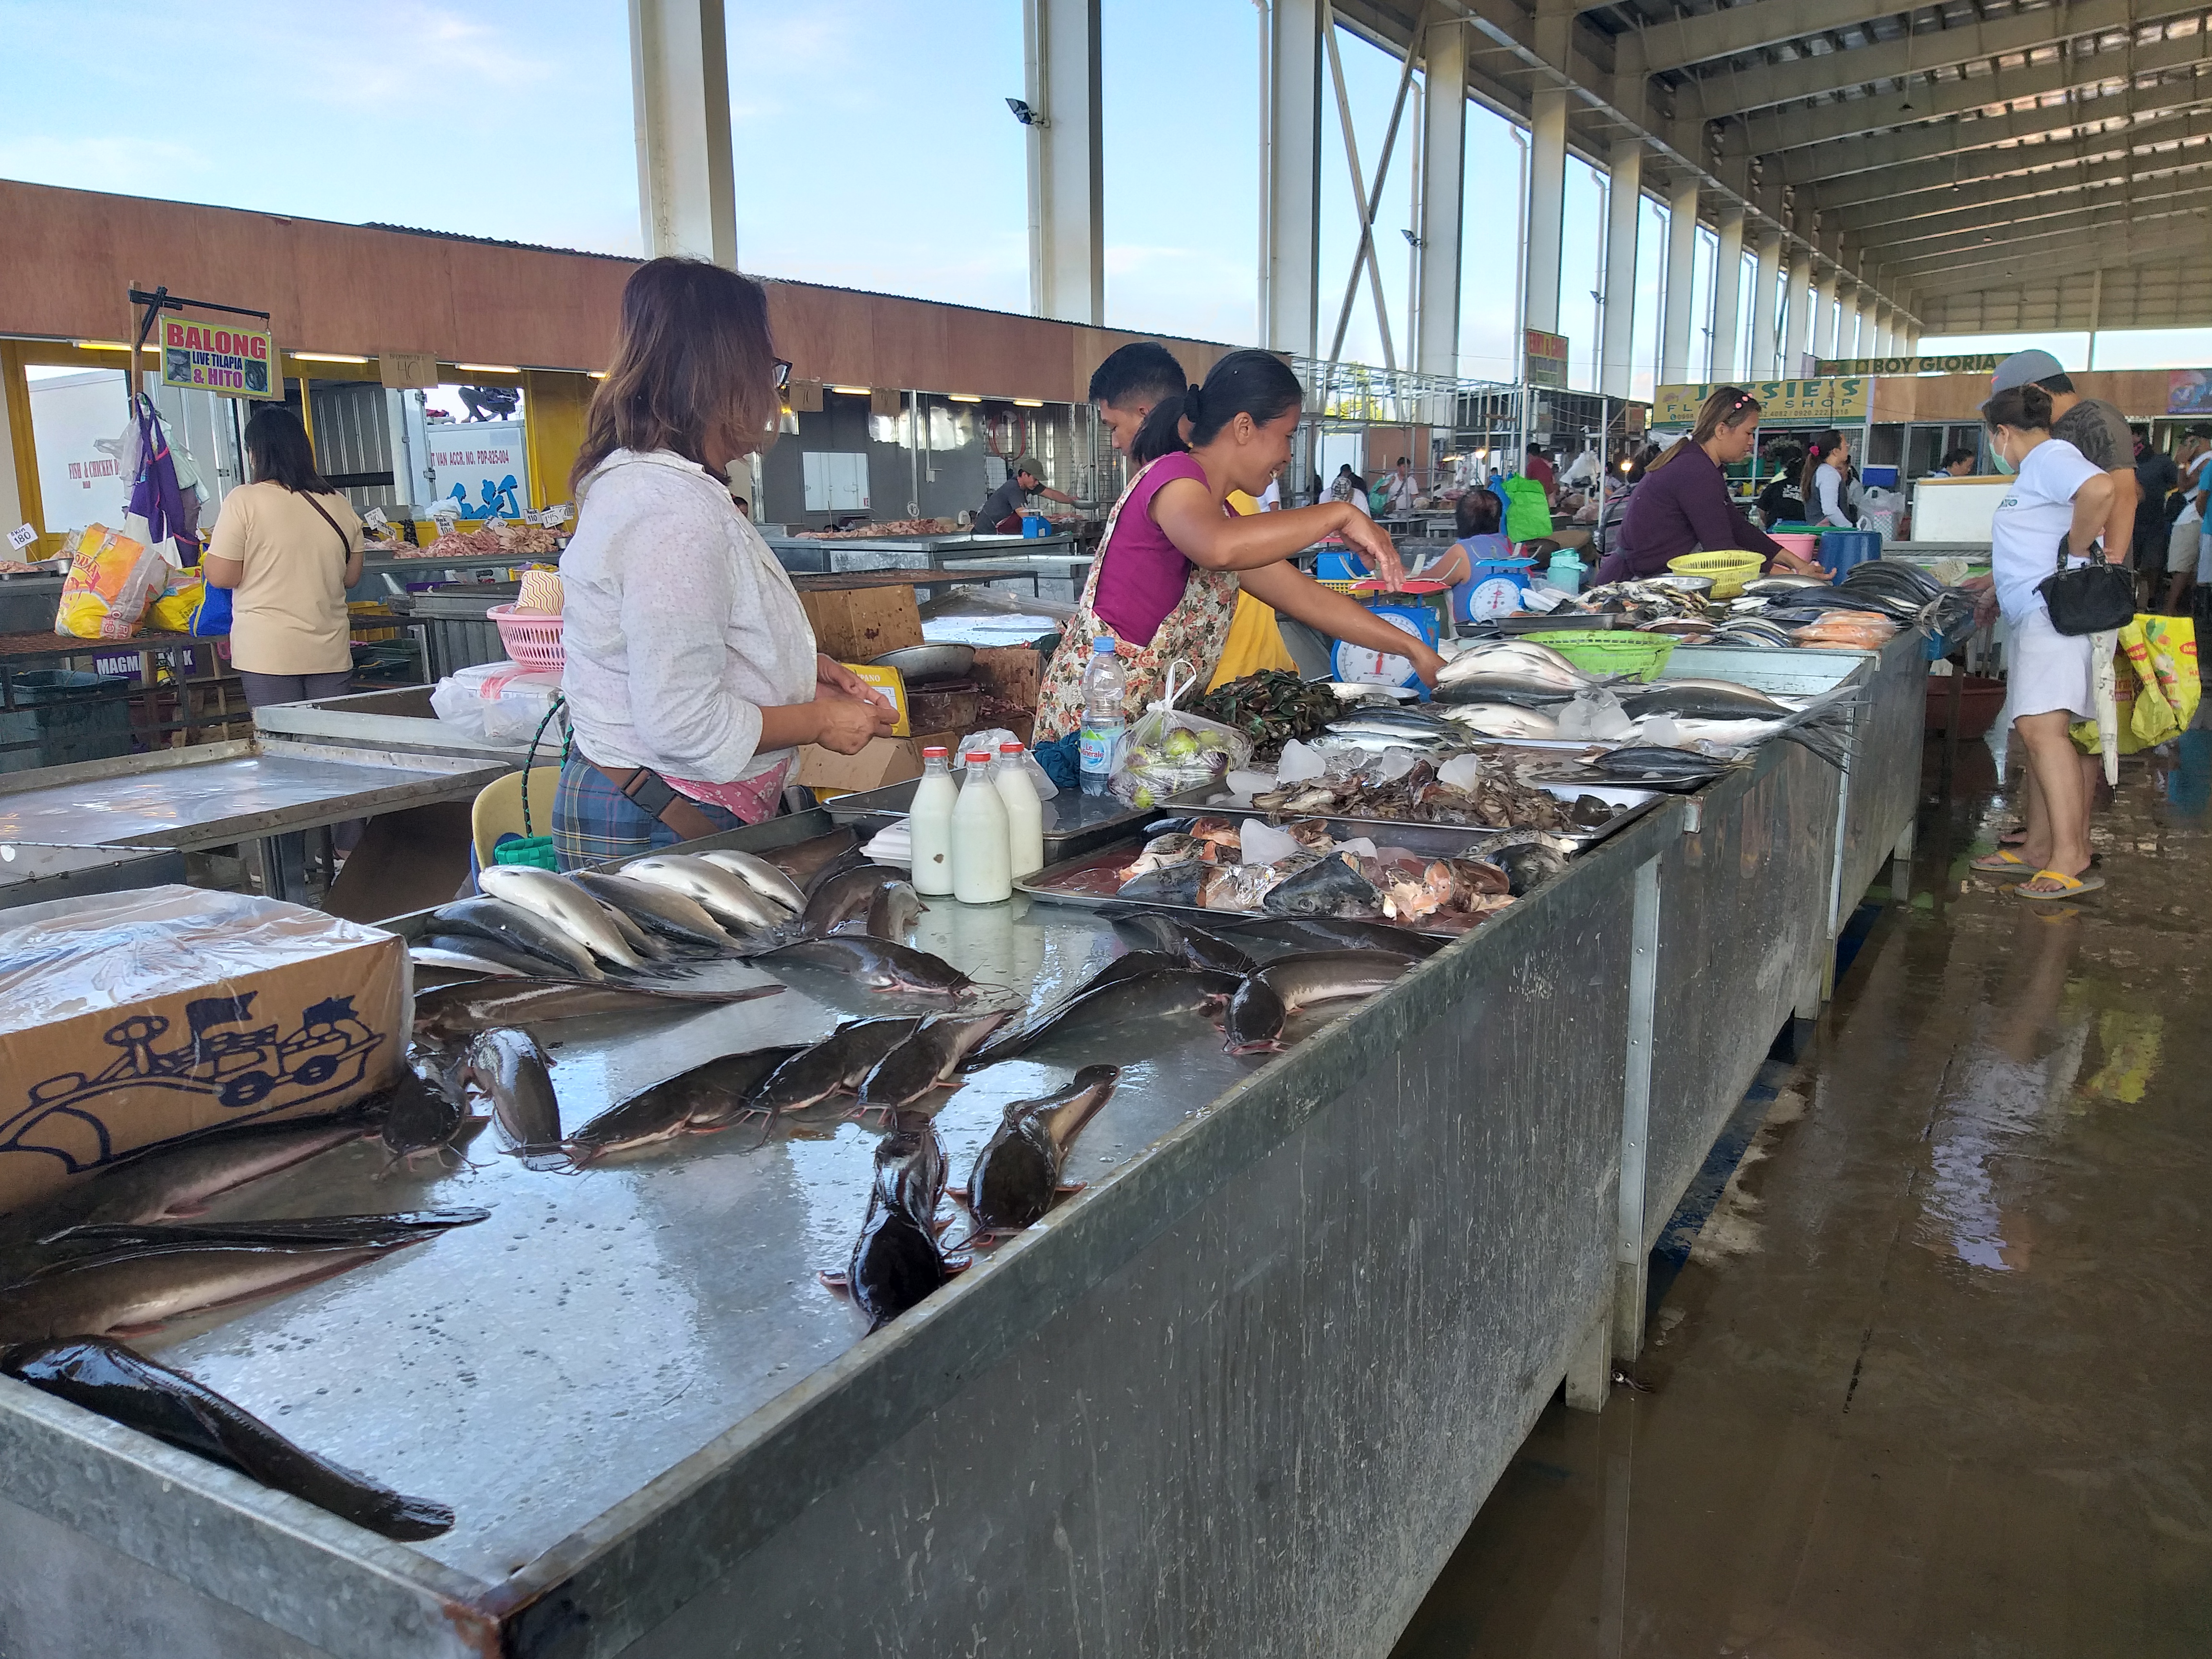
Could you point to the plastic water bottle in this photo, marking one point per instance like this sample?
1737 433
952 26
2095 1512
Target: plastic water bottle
982 869
1105 683
930 823
1024 812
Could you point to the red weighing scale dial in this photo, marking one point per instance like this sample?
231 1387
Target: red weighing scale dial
1495 597
1363 664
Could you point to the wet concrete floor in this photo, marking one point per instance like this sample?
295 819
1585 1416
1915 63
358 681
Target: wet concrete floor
1934 1378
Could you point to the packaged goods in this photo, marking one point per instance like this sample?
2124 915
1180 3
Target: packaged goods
112 581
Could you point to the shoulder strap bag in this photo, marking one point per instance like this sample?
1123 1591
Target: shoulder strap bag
345 542
2096 598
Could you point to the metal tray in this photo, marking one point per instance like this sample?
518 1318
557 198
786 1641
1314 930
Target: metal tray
1074 823
1638 801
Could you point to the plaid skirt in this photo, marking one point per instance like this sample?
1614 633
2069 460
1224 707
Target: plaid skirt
593 822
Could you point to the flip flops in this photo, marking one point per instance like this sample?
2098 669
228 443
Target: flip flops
2001 861
2069 886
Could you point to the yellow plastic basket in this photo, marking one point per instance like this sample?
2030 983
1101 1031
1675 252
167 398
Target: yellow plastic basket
1730 570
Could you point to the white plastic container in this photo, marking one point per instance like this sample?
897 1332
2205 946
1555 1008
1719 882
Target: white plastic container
982 867
1024 812
930 824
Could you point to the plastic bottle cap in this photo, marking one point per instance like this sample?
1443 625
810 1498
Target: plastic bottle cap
1010 749
1102 646
933 752
975 754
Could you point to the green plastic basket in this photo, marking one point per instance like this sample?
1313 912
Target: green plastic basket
536 851
1610 651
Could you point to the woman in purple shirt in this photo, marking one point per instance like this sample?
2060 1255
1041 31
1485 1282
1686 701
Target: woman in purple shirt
1683 504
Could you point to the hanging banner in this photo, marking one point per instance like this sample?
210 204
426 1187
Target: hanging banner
1546 355
1834 398
1978 362
238 362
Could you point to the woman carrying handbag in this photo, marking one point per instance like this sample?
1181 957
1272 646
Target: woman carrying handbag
2055 600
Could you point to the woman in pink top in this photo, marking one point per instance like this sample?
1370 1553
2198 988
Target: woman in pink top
1174 555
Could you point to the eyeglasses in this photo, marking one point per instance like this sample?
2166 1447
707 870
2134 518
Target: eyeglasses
783 376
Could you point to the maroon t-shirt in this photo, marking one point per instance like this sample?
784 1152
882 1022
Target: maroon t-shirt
1141 572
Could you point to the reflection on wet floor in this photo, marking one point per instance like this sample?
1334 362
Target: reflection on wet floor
1931 1380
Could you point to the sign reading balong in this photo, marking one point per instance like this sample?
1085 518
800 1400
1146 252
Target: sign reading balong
238 362
1840 398
1977 362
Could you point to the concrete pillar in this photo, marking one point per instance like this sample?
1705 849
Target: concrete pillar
1066 160
1847 317
1824 314
1728 290
1548 201
679 82
1797 321
1682 271
1885 318
1862 334
1289 171
1443 191
1763 312
1624 212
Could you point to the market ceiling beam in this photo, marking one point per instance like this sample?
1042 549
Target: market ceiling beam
2150 252
1888 223
1972 227
2112 241
1733 91
1678 43
1777 132
1893 190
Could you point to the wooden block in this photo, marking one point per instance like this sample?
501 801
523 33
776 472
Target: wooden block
861 625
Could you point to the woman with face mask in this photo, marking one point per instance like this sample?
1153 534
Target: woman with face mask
1174 555
2058 500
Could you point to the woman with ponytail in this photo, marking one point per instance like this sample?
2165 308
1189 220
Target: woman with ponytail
1174 555
1683 504
1825 482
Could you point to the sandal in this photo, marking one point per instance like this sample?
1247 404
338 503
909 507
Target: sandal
2013 838
2000 862
2069 886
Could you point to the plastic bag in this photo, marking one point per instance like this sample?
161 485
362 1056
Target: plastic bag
989 742
2156 690
111 580
188 606
498 702
1168 751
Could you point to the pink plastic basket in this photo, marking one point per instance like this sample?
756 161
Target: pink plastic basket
1804 546
532 638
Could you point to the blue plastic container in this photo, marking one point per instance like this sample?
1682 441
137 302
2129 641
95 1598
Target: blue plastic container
1036 524
1331 566
1878 478
1842 548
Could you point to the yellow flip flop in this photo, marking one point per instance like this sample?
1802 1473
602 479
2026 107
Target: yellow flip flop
2069 886
1999 862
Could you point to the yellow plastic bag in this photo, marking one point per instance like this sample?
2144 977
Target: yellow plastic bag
111 580
172 612
2158 689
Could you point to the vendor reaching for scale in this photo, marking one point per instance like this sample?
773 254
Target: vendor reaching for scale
1002 509
691 674
1175 556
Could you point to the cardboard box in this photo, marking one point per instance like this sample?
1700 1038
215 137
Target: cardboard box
129 1020
885 760
859 625
1015 672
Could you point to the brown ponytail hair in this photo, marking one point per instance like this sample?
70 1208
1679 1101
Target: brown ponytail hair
2023 408
1728 406
1816 456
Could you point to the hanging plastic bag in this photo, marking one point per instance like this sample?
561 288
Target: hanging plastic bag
989 743
112 581
1168 751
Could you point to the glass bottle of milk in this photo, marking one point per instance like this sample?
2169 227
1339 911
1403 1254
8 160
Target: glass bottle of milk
1024 812
930 823
983 868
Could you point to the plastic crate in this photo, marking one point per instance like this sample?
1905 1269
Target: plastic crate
1613 651
533 639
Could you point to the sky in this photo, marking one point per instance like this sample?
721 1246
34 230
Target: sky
873 149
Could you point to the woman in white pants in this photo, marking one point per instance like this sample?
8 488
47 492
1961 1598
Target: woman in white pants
2059 500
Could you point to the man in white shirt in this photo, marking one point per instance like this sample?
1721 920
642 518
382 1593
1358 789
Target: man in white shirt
2185 542
1402 489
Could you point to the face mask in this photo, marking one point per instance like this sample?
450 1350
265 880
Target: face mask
2004 465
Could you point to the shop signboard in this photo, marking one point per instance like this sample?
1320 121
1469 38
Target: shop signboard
1832 398
481 471
220 357
1974 362
2189 392
1546 355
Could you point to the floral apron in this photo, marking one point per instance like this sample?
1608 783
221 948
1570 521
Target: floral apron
1194 632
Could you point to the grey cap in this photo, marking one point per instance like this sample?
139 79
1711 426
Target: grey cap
2024 368
1029 463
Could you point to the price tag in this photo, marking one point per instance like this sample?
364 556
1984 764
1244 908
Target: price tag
444 518
374 517
557 515
533 516
22 537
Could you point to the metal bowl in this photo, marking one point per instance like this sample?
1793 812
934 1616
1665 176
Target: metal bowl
919 663
1700 585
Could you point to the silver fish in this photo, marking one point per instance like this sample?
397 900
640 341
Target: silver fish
727 897
758 873
1503 719
661 908
458 961
518 932
574 912
1521 662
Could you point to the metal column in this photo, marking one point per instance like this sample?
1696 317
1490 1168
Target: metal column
679 79
1066 160
1290 178
1824 314
1727 289
1681 275
1797 315
1885 317
1765 358
1444 192
1623 214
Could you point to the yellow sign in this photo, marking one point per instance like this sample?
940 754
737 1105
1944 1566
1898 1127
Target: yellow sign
1838 398
1546 357
892 684
238 362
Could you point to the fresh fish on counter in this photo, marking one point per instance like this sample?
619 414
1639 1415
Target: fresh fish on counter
1128 965
365 1231
1331 886
574 912
1676 770
850 895
1781 582
710 1096
851 859
763 878
728 898
1337 933
647 945
837 1065
896 1261
447 1012
893 913
1503 719
524 932
1174 883
1166 852
512 1070
424 1117
1151 996
1268 997
463 955
1194 946
1716 700
929 1060
1522 664
126 1387
878 964
1018 1173
801 859
657 910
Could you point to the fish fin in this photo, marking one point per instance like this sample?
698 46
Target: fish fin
185 1211
835 1279
1069 1188
958 1264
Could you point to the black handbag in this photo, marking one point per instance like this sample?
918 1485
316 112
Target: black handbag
2097 597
